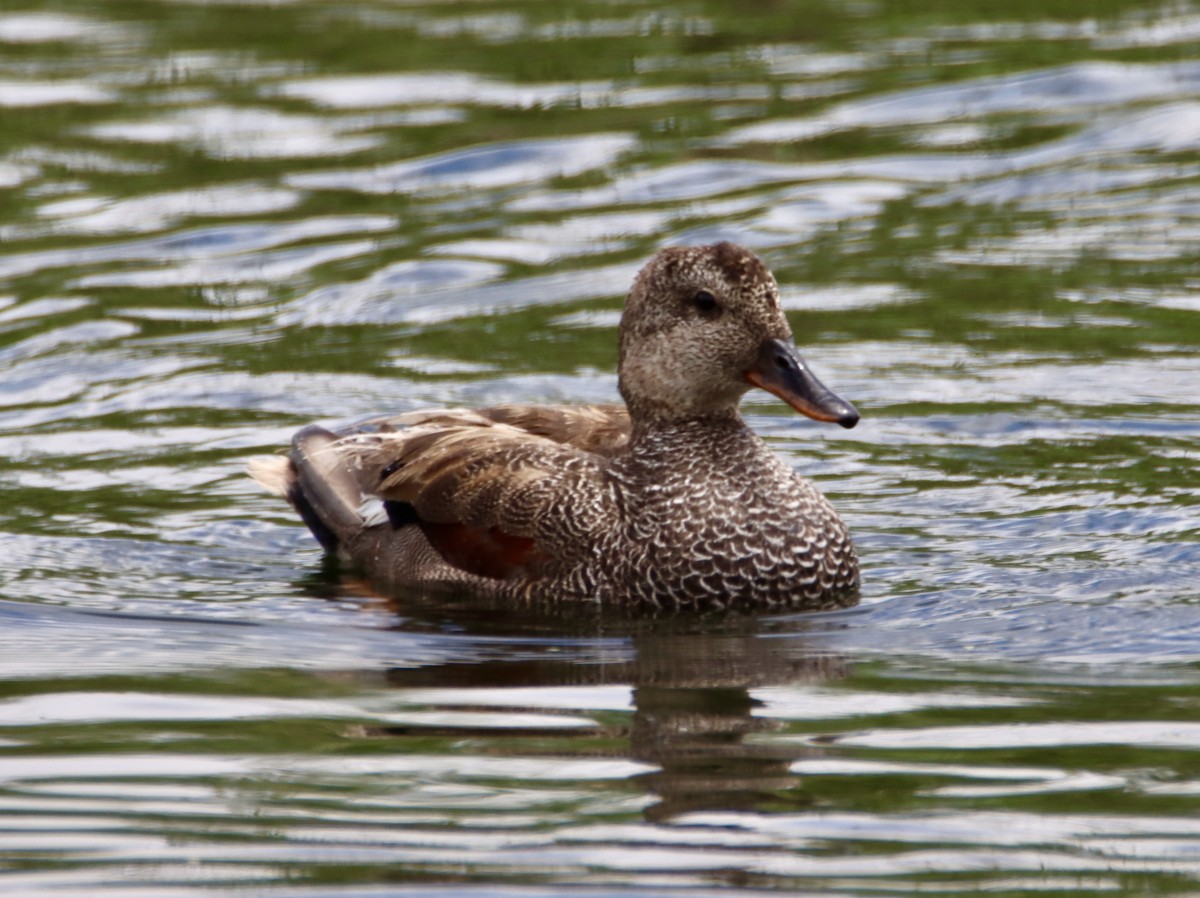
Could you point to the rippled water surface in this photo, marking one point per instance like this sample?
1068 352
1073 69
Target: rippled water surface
221 221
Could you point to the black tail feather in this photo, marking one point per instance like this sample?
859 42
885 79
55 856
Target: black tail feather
325 492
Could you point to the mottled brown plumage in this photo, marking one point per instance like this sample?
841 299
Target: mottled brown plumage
671 501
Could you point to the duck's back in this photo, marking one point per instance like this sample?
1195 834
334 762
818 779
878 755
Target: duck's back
494 499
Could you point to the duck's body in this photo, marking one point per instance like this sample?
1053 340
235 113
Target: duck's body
671 501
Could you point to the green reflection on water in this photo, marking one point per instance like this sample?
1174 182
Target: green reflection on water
959 377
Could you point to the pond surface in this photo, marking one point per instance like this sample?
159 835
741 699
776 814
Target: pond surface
223 221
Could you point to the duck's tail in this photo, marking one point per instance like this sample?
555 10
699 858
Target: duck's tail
273 473
318 483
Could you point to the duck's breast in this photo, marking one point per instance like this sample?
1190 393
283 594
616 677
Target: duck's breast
750 533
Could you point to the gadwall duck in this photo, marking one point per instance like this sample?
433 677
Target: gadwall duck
670 502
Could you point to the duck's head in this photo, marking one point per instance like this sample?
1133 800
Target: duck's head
702 325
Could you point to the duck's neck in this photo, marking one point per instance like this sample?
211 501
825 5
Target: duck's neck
703 434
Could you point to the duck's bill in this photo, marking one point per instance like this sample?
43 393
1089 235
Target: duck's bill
780 370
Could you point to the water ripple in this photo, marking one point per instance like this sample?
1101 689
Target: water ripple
219 224
477 168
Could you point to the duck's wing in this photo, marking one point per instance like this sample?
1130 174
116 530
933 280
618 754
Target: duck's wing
497 492
494 499
599 429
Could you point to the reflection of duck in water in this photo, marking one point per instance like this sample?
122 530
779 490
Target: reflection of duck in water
692 687
670 502
694 727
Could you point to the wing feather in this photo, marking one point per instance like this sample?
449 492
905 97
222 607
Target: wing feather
494 498
600 429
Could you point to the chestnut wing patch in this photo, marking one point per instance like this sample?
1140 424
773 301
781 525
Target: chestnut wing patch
487 552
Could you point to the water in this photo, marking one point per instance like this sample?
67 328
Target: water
223 221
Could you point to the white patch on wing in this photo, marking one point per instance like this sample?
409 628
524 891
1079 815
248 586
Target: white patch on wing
372 512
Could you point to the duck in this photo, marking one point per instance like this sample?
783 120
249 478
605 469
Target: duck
669 501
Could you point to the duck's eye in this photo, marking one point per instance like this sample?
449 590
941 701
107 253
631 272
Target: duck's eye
706 304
